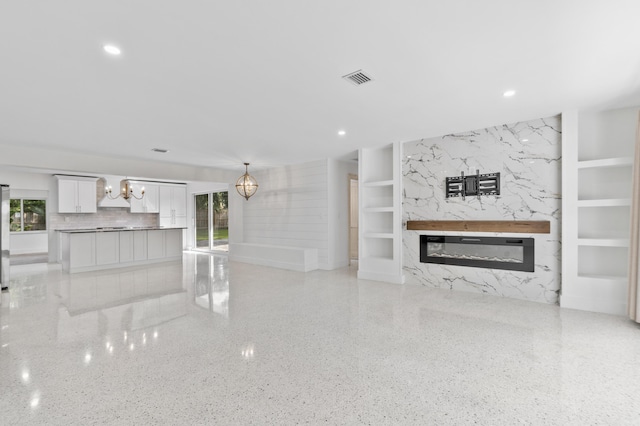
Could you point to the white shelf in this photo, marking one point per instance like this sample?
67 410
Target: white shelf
606 162
378 210
604 242
378 183
376 259
378 235
601 277
612 202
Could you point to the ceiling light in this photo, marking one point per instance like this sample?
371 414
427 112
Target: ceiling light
246 185
126 192
111 49
525 140
341 132
509 93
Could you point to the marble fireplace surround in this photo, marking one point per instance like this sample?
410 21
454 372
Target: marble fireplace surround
527 155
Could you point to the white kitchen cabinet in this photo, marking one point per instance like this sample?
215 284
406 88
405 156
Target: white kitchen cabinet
173 242
150 203
173 206
126 246
81 249
155 244
139 245
133 246
77 194
107 248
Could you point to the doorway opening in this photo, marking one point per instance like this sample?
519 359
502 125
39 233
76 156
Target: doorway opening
353 218
212 221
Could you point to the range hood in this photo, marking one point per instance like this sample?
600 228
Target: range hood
114 182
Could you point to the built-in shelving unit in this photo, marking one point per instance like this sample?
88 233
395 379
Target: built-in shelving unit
606 162
604 200
612 202
597 172
380 239
603 242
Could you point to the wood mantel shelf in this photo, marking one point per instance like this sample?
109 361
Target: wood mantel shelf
513 226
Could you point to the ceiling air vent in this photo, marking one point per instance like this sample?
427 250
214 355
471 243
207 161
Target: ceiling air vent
358 77
161 150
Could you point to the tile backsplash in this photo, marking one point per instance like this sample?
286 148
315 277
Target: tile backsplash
105 217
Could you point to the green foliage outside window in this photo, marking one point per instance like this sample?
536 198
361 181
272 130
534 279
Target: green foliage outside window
15 209
28 215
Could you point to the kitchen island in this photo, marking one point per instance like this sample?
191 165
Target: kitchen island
106 248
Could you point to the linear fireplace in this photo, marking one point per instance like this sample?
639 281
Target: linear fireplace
515 254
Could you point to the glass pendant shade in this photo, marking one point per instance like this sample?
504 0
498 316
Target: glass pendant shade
246 184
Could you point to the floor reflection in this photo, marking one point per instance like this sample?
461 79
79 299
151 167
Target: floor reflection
211 283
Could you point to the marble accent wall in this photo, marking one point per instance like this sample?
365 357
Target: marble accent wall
528 157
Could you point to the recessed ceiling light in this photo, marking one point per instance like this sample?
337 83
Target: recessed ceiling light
111 49
341 132
509 93
525 140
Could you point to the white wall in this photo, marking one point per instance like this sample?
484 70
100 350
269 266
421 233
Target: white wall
606 134
290 208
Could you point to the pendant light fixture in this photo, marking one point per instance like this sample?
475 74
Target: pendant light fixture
126 191
246 184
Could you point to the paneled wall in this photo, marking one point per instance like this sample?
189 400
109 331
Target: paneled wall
290 208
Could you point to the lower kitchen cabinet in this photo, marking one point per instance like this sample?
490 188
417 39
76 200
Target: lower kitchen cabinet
155 244
139 245
94 250
107 248
82 251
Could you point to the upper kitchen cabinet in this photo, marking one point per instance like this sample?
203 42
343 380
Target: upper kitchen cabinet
77 194
173 206
150 203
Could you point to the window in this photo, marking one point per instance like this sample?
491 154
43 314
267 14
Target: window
28 215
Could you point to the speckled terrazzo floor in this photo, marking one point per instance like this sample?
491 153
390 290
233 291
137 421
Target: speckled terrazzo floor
206 342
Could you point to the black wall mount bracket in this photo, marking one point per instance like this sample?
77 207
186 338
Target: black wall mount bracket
473 185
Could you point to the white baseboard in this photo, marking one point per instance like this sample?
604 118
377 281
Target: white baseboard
395 279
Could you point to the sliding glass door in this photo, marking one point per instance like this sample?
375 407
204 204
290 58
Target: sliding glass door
212 223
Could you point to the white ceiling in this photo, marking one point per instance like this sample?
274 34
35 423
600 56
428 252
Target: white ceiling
223 82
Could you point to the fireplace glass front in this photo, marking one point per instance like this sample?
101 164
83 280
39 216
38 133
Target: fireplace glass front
481 252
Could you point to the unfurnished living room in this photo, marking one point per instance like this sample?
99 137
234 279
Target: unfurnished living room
336 212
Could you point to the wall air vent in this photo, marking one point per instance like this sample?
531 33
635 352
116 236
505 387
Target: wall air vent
358 77
160 150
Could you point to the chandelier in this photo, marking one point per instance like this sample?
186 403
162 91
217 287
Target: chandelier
126 191
246 184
